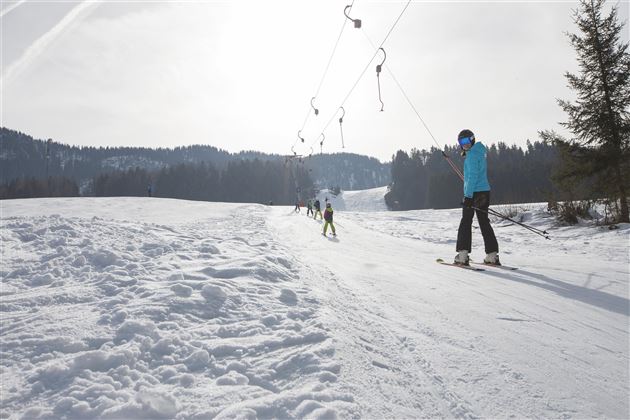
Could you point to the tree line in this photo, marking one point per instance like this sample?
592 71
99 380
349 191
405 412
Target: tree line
32 187
241 181
423 179
24 157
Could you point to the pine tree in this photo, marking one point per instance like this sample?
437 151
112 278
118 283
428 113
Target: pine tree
599 155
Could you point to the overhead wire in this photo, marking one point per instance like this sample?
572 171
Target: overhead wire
321 82
415 110
365 69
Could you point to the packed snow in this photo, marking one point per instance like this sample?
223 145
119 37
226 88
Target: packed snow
159 308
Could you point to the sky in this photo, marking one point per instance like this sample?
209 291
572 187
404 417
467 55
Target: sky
240 75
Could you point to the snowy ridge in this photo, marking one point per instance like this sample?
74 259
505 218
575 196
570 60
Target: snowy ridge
138 307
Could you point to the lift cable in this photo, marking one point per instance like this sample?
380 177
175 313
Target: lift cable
448 159
321 82
366 67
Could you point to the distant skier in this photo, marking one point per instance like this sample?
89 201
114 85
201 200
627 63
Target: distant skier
328 217
149 190
476 200
297 207
318 210
309 207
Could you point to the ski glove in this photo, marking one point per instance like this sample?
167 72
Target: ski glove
468 202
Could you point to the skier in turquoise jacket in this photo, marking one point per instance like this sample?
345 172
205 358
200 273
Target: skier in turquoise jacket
476 200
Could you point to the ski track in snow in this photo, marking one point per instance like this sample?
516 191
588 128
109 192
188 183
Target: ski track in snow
136 308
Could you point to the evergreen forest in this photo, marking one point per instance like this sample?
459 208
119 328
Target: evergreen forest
196 172
423 178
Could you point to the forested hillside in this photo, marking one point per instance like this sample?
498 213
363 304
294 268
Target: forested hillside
348 171
424 179
420 179
21 156
240 181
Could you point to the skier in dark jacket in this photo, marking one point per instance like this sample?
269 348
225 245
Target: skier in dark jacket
318 210
328 217
476 200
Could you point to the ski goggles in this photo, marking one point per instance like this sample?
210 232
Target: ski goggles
465 140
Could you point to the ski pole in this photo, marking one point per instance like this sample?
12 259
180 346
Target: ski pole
537 231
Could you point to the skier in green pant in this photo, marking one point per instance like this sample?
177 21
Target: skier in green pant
328 218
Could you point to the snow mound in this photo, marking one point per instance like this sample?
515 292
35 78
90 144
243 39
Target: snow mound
150 308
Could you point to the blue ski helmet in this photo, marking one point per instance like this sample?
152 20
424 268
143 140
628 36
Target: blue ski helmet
465 137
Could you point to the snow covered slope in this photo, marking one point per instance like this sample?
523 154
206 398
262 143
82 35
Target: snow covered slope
361 200
138 307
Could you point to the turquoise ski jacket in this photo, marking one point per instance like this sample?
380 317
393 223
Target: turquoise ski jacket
475 170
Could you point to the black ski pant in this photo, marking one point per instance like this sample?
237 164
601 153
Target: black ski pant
481 200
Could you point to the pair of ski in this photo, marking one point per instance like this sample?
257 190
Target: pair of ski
476 265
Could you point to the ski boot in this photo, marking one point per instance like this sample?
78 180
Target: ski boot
462 258
492 258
